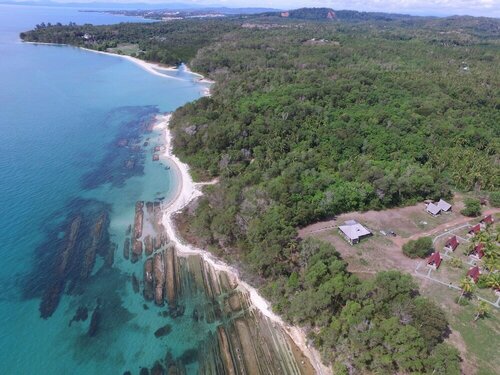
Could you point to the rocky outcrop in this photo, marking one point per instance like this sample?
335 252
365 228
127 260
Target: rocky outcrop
148 280
136 251
148 245
159 278
90 253
139 219
126 248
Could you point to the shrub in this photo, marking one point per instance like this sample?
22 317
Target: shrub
472 207
482 282
455 263
495 198
419 248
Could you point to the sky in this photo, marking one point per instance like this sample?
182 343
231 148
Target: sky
488 8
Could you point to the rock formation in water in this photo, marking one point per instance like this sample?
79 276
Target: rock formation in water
148 245
148 280
159 278
136 251
139 219
90 253
135 283
94 322
126 248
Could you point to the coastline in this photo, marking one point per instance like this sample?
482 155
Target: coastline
186 191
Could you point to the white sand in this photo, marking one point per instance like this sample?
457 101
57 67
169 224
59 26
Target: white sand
187 190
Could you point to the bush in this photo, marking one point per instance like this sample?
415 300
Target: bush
419 248
495 198
472 207
455 263
482 282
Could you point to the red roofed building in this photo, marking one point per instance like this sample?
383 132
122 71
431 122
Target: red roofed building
487 221
478 251
475 230
434 260
474 274
452 243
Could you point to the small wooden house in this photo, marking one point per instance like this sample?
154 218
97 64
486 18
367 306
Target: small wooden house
474 274
452 243
434 261
486 221
477 252
474 230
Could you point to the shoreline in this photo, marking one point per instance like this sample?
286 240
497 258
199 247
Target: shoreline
150 67
186 191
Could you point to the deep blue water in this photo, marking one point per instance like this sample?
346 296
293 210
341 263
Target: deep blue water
63 112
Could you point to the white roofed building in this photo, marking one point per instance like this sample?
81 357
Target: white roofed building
444 206
353 232
433 209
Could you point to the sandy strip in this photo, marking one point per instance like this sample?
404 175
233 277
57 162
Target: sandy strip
152 68
186 191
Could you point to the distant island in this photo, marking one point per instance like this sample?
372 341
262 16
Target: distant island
318 114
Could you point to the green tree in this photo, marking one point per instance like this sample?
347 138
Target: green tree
443 360
467 286
472 207
495 198
419 248
482 310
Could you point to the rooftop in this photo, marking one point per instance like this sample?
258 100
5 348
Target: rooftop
354 230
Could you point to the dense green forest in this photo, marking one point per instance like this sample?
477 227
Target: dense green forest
311 119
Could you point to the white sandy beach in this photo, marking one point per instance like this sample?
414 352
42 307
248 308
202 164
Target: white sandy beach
187 190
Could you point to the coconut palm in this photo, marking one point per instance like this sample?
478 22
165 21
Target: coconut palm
467 286
493 281
482 310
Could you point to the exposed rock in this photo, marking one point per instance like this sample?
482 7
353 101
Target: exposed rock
148 280
171 279
159 278
139 219
148 245
136 251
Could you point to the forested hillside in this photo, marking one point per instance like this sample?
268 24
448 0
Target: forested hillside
311 119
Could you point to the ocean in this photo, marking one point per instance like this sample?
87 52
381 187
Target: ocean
76 152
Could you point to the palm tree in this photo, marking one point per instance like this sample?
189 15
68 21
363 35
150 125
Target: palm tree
482 310
467 286
493 281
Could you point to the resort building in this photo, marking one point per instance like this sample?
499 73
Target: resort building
353 232
487 221
474 230
474 274
444 206
451 244
477 252
436 208
434 261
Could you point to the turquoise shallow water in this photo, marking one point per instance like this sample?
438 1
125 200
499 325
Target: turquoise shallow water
62 114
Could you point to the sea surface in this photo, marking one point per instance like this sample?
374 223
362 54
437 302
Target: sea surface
67 118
